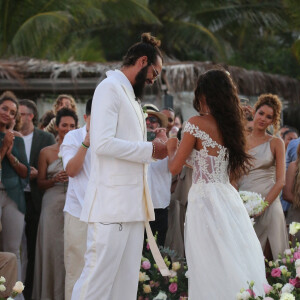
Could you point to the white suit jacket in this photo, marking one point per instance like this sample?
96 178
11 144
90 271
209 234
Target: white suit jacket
117 190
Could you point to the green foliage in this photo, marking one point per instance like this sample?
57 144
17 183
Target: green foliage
254 34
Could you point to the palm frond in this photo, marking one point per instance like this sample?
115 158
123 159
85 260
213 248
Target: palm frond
37 29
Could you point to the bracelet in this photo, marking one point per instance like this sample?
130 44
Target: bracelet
153 151
85 146
16 162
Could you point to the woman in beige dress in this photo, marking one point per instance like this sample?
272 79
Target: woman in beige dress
49 273
267 175
291 191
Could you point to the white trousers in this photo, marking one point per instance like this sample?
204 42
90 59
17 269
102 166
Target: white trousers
75 235
112 262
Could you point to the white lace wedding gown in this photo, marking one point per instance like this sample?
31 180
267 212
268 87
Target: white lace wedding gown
222 250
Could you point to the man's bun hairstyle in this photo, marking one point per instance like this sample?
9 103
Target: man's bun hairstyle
148 46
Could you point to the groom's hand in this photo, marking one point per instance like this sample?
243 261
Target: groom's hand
159 149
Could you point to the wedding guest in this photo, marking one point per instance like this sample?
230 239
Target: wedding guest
178 121
267 175
291 191
76 158
177 209
170 114
61 101
49 272
159 177
45 119
291 155
35 140
283 129
288 136
14 169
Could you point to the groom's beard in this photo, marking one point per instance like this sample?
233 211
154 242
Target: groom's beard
140 81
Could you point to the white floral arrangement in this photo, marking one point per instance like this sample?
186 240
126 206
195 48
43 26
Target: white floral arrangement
254 202
17 289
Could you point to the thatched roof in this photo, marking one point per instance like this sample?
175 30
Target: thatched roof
41 76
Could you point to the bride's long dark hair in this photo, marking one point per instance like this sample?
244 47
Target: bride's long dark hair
224 105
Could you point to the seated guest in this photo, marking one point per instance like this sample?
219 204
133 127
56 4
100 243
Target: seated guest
62 101
76 158
14 169
49 272
159 177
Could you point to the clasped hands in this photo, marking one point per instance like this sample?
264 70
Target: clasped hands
62 176
162 145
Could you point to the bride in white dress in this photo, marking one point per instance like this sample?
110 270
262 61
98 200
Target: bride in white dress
222 250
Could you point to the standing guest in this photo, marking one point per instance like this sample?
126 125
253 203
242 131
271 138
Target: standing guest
14 169
288 136
8 269
290 156
178 121
35 140
49 272
283 129
159 177
267 175
76 158
170 114
61 101
219 235
45 119
291 191
117 201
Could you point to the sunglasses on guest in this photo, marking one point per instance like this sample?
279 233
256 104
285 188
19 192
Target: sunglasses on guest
152 119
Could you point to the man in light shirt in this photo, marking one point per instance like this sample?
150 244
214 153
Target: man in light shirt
159 177
77 163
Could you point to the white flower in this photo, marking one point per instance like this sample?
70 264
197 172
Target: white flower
287 288
239 296
173 273
253 202
287 296
10 298
143 277
294 228
287 252
2 280
297 263
19 287
283 267
187 274
2 288
161 296
243 295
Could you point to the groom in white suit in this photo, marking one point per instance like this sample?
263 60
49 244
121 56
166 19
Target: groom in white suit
117 201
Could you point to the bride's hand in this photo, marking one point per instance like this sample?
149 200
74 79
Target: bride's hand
172 145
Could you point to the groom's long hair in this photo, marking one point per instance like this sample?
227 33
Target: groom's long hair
224 105
148 46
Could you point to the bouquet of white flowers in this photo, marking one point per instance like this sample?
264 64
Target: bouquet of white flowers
253 202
